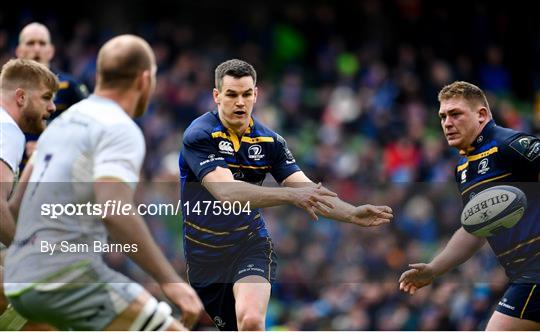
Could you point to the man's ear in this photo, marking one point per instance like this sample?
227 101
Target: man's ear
255 92
483 115
143 80
20 97
216 95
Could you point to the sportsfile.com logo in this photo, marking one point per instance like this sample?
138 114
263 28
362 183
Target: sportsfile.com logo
109 208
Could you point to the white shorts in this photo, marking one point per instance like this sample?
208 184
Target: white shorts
89 301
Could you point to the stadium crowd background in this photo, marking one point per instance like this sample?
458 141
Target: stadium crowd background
353 88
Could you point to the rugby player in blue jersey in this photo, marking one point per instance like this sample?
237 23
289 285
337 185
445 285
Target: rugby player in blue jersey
225 157
35 44
491 154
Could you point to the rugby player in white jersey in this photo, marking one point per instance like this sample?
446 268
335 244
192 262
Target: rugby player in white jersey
27 89
93 154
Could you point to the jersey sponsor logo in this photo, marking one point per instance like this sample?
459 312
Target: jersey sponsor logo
464 176
288 153
534 151
82 89
211 157
255 152
251 267
225 147
525 142
528 147
506 305
483 166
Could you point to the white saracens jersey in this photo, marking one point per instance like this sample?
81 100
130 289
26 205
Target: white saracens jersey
93 139
12 142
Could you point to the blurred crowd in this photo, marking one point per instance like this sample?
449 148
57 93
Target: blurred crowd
353 88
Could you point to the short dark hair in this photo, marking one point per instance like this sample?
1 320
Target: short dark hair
27 74
235 68
465 90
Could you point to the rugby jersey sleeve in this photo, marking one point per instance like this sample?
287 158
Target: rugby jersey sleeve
12 143
284 163
525 150
119 153
201 153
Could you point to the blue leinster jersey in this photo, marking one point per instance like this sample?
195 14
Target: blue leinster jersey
504 155
213 230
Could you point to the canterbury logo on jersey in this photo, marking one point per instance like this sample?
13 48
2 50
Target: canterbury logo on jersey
226 147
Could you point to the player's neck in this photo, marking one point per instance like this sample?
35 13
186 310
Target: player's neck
127 99
237 130
478 133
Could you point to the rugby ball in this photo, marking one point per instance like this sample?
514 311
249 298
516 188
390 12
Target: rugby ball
493 209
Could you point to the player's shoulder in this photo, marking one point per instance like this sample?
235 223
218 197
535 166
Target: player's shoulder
101 114
259 127
5 118
103 110
512 143
67 78
9 126
62 76
525 145
504 135
11 133
69 82
202 127
261 130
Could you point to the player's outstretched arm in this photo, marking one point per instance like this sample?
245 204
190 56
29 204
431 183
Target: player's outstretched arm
363 215
222 185
459 249
131 229
7 224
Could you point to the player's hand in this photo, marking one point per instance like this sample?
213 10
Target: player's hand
371 215
313 199
418 276
185 298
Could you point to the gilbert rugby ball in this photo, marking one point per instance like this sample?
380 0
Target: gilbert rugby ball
493 209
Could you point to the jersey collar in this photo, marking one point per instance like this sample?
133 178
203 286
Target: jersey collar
232 136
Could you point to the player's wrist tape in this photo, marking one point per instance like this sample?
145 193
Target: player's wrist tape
154 316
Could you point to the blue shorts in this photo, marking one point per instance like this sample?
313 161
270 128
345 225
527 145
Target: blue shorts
214 281
521 301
